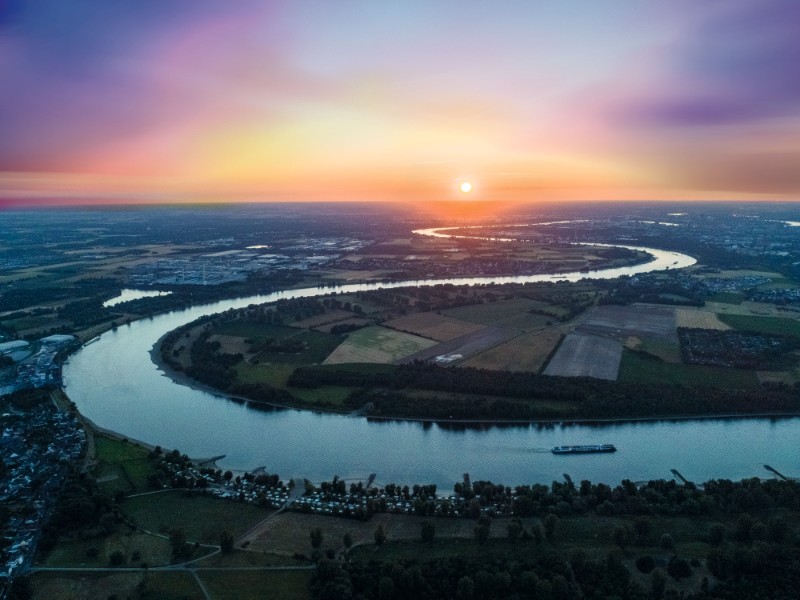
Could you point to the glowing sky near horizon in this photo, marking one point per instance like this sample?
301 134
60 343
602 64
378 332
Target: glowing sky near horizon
201 100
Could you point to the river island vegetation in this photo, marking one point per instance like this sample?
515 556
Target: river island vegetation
432 353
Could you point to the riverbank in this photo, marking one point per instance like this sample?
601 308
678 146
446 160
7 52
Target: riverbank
115 382
183 379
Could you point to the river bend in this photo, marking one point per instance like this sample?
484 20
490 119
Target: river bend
114 383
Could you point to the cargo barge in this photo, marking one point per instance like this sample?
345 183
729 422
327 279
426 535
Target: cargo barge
583 449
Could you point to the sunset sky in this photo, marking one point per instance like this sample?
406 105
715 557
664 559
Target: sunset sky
530 100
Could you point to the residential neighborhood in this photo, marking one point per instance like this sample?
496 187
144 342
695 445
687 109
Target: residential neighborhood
38 447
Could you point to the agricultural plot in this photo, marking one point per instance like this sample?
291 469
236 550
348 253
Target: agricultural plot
745 307
504 313
667 350
582 355
434 326
768 325
639 320
698 319
313 348
527 352
643 369
377 345
330 317
465 345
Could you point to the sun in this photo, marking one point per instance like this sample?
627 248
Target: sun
465 187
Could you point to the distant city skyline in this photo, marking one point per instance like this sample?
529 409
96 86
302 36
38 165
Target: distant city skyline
201 101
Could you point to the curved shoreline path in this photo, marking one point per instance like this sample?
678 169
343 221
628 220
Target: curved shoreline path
114 382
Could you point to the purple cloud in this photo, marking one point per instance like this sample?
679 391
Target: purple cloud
739 65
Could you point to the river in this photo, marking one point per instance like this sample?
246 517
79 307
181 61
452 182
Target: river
114 383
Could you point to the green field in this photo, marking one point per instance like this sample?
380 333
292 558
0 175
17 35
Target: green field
667 350
317 348
368 368
378 345
638 368
121 465
75 553
255 585
202 518
278 376
505 313
238 585
728 298
767 325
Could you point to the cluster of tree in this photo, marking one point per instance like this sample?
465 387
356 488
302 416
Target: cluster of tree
740 349
346 328
83 313
569 310
16 298
81 507
549 577
28 398
719 497
747 559
655 289
515 395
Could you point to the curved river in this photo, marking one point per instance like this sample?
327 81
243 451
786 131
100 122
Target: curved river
114 383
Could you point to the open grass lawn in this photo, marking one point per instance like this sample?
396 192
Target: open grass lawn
278 376
152 550
242 558
202 518
121 465
169 586
49 586
768 325
134 586
274 375
111 450
257 585
635 367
